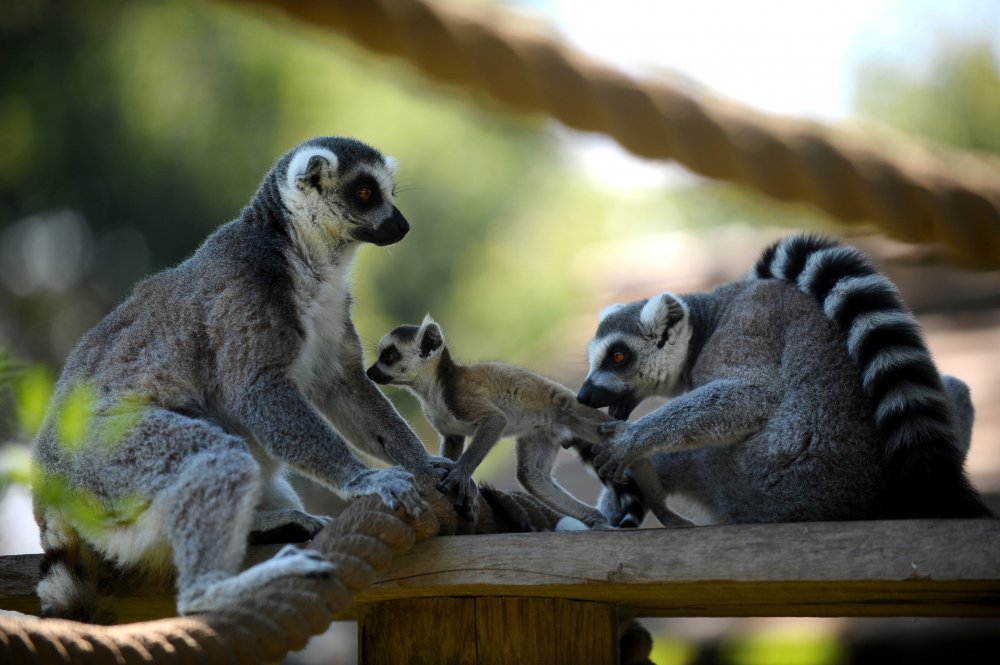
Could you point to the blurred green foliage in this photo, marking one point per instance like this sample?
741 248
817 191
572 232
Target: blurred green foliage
955 100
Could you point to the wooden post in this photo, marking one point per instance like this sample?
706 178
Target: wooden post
487 631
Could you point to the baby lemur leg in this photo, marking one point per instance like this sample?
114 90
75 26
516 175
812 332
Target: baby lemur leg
452 446
536 456
459 481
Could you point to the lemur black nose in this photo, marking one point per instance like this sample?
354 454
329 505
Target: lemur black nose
596 396
402 224
377 375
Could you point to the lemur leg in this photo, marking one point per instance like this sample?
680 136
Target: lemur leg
280 516
536 456
653 494
201 500
719 413
452 446
459 479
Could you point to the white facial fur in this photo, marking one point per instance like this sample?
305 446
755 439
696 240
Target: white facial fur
411 366
652 369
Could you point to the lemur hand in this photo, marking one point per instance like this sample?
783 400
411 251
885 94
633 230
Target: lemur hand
617 453
466 494
395 486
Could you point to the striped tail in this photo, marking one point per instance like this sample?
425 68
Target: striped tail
68 585
911 409
622 503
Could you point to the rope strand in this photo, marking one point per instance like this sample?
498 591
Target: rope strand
910 194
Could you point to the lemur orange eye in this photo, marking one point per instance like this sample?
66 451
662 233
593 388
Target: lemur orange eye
364 194
618 357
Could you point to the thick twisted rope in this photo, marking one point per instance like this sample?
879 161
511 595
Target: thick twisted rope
277 618
912 195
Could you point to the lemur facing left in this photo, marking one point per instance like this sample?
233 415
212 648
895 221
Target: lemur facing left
491 400
803 392
211 377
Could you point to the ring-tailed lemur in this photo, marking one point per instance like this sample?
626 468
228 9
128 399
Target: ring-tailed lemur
489 401
803 392
229 366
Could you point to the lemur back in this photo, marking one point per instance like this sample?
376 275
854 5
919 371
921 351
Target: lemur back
803 392
922 451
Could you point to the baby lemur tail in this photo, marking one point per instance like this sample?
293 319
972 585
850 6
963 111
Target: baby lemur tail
912 411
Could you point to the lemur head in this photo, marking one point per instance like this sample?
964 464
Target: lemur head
639 351
339 189
408 355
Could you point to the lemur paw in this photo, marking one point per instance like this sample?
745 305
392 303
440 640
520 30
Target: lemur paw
612 428
466 495
290 561
440 466
395 486
612 458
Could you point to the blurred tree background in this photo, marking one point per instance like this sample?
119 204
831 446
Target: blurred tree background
129 130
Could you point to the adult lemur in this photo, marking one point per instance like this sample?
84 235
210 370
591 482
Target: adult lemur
214 374
802 392
491 400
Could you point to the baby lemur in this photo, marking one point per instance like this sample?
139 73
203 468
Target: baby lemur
802 392
214 374
488 401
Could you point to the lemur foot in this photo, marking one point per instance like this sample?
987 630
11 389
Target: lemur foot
460 485
395 486
285 526
290 561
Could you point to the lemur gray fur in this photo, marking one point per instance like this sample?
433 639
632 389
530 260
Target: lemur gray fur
236 362
803 392
488 401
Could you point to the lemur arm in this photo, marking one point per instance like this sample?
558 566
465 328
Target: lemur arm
366 417
289 427
719 413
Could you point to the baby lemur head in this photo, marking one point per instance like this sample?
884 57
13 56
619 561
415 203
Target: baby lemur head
409 355
335 189
639 351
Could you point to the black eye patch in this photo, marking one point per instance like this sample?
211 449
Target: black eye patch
617 357
389 356
364 191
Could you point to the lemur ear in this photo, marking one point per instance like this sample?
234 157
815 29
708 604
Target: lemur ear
609 310
310 167
430 336
660 314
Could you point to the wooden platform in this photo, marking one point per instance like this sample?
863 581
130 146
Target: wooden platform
493 587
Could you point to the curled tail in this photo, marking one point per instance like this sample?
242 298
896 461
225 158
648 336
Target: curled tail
70 574
911 408
520 512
